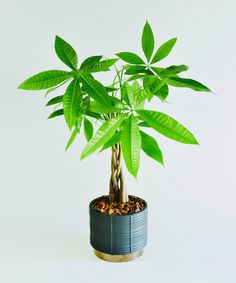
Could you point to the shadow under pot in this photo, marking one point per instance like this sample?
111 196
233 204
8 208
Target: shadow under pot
118 238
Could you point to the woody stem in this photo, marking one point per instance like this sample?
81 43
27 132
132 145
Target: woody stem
117 190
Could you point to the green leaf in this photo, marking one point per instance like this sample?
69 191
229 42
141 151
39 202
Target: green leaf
147 41
66 53
45 80
96 90
163 92
101 66
90 61
115 139
130 58
136 77
127 93
124 94
110 89
72 103
56 113
131 70
50 90
139 100
188 83
71 139
99 108
93 114
136 95
167 126
151 147
118 104
131 144
173 70
103 134
75 132
164 50
88 129
144 124
85 103
157 70
152 85
55 100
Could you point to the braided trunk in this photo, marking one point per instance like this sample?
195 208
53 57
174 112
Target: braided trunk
117 191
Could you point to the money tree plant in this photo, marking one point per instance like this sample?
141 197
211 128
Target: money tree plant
118 111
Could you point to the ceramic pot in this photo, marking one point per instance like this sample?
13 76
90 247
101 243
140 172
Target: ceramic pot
118 237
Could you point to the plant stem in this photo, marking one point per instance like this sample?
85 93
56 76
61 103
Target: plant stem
117 191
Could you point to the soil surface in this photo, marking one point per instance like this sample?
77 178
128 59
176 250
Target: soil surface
134 204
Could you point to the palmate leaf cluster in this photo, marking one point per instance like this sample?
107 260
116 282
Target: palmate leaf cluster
118 110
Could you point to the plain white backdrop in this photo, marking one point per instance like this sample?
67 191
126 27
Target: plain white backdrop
44 192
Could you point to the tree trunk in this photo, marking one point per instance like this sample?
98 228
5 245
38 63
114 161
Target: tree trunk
117 190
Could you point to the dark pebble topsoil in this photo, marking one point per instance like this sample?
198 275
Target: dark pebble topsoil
134 204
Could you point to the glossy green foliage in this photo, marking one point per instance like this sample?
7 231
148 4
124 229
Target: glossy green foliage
164 50
90 62
55 100
132 70
56 113
88 129
189 83
167 126
66 53
71 102
151 147
130 57
131 144
95 89
155 86
75 132
101 66
115 139
147 41
115 114
172 70
45 80
103 134
135 95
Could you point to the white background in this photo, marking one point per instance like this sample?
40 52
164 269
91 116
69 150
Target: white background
45 192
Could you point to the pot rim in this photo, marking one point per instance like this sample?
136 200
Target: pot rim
116 215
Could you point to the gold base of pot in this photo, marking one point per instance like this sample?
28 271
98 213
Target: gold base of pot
118 258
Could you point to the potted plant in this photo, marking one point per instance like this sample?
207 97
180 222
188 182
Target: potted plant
118 222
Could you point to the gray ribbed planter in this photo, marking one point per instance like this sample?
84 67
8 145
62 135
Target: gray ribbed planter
122 235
